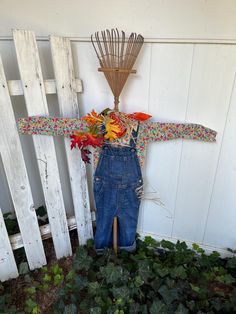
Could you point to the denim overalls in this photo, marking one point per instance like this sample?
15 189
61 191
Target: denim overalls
117 190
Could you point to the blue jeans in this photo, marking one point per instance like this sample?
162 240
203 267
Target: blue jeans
117 190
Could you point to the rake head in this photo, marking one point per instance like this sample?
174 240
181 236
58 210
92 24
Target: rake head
116 56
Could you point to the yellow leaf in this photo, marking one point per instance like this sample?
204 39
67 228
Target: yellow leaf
112 130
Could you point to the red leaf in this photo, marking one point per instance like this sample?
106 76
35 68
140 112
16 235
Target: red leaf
84 155
93 140
77 139
140 116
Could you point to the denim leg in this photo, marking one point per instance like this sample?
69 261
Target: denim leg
105 210
128 210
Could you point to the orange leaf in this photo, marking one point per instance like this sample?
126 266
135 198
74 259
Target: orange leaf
93 118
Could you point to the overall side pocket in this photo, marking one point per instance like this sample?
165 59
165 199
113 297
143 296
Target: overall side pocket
97 188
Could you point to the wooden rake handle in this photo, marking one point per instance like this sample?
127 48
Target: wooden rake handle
115 235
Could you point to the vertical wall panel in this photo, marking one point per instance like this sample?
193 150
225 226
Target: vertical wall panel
210 90
221 222
169 86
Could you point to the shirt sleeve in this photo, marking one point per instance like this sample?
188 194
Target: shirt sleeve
50 125
155 131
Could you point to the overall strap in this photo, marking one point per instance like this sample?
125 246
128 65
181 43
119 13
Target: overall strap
134 137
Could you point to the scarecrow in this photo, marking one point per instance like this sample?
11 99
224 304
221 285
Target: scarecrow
119 141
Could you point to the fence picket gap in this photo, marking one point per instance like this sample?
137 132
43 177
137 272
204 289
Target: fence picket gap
68 104
8 268
18 182
36 103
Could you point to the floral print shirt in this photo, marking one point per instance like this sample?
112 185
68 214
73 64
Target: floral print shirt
148 131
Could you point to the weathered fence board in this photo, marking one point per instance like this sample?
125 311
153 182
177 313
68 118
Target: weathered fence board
45 230
16 89
36 103
68 104
14 165
8 268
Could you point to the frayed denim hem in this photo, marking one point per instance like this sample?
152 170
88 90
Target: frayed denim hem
129 249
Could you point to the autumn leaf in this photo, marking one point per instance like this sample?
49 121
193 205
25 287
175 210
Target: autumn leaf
140 116
117 121
112 129
92 140
85 139
77 139
84 155
93 118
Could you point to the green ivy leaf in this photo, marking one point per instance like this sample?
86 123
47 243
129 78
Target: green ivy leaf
113 273
227 279
158 307
202 292
80 283
178 272
231 263
190 304
30 306
23 268
149 241
197 248
181 309
90 243
93 288
47 278
82 260
120 293
85 305
167 245
95 310
168 295
70 309
156 283
181 246
135 308
195 288
30 290
145 270
58 279
160 270
56 269
71 275
138 281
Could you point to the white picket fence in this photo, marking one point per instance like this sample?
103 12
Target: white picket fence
34 88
